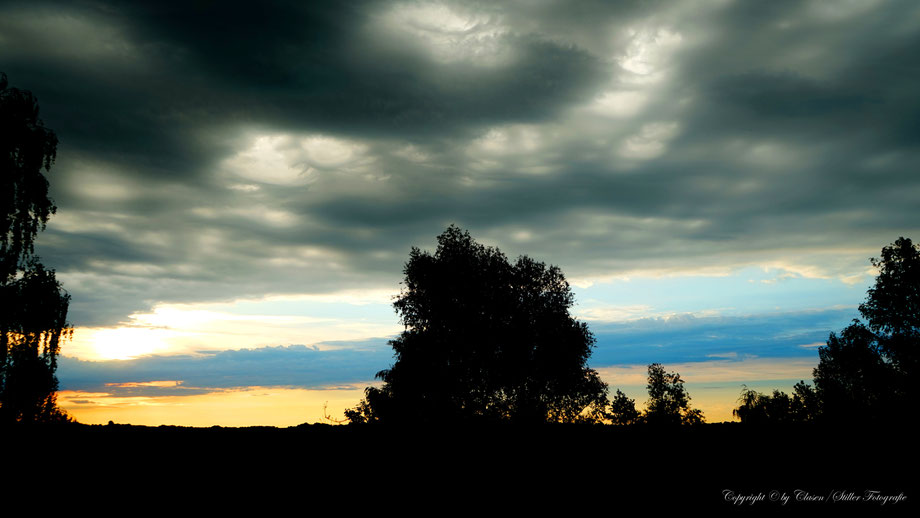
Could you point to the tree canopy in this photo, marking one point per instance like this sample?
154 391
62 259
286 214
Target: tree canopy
757 408
867 370
485 339
623 410
668 401
26 147
33 306
892 306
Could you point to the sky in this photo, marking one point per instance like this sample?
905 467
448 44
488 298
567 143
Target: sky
239 187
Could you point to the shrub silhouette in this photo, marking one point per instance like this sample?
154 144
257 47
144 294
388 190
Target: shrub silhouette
485 340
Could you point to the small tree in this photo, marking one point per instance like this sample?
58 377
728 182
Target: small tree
623 410
805 403
33 306
485 340
669 402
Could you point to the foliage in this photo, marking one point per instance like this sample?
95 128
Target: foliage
623 410
669 402
806 406
33 306
485 339
892 306
866 371
758 408
362 413
855 380
26 147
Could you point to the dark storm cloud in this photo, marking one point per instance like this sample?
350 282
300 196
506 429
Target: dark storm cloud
212 151
808 70
184 66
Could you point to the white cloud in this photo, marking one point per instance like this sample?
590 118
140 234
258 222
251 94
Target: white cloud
620 104
447 33
605 313
290 160
649 52
189 328
101 185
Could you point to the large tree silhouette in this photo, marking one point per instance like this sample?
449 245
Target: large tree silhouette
868 371
892 306
485 340
33 306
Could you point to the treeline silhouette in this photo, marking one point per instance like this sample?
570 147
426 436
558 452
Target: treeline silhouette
867 373
488 341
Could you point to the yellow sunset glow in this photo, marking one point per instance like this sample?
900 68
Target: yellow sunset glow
192 328
250 406
125 343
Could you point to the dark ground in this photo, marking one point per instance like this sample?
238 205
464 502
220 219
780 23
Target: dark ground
502 469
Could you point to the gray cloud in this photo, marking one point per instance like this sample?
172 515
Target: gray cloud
283 366
216 152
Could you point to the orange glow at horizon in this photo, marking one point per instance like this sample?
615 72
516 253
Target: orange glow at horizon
249 406
714 388
274 406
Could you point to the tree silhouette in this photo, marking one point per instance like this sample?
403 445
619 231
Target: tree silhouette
33 307
868 370
806 406
854 379
26 147
754 407
669 402
623 410
485 340
759 409
892 307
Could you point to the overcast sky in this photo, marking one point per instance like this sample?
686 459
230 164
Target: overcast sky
710 174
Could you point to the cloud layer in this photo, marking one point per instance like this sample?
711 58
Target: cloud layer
680 339
220 151
284 366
